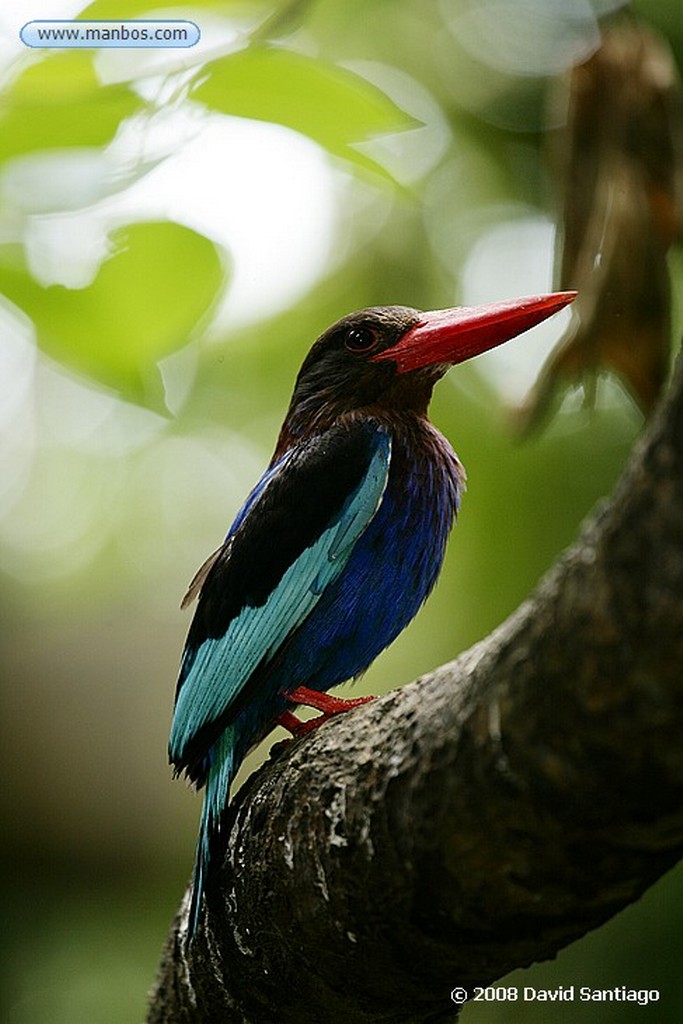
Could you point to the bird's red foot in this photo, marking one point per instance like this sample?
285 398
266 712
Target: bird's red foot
324 702
290 722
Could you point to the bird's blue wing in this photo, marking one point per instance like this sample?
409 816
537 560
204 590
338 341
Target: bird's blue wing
291 540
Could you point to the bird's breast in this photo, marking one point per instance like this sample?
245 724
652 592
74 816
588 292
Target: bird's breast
419 508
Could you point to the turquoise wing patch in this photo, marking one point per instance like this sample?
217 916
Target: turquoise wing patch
222 666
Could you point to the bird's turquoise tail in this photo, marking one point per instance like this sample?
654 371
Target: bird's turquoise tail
216 796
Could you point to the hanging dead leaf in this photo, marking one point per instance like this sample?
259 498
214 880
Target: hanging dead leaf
619 165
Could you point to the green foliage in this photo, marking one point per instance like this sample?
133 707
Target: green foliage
143 305
122 9
59 103
330 105
150 295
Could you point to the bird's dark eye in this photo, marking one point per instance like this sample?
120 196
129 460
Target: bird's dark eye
359 339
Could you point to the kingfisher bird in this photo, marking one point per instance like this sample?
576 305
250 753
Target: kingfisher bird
336 547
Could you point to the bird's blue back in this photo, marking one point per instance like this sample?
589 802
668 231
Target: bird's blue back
394 566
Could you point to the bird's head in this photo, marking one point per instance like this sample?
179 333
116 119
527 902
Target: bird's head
390 357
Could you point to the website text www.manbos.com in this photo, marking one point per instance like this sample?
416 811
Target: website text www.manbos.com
96 34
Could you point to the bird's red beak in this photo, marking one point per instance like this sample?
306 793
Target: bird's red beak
454 335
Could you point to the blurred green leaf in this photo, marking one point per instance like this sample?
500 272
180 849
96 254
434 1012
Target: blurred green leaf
118 9
143 305
58 103
329 104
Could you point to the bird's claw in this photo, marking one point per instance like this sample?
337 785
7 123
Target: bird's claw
328 705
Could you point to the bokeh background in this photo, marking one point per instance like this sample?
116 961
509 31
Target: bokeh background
176 227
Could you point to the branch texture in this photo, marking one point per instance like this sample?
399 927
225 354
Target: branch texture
480 818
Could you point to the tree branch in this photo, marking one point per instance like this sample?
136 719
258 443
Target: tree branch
476 820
